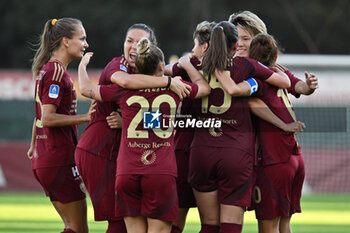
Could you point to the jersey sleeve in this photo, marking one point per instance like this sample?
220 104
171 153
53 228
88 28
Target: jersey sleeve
261 85
259 70
178 71
111 93
53 85
293 81
194 89
118 64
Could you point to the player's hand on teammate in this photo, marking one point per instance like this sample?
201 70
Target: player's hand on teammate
294 127
91 110
114 120
180 88
185 61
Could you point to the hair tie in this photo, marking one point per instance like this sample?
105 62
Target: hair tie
53 22
146 51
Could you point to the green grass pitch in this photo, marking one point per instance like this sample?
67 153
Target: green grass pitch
33 213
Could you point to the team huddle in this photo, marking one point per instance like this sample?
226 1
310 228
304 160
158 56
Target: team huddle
144 179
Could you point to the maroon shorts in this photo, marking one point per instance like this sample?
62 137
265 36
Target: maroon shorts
61 184
152 196
278 188
227 170
98 174
184 189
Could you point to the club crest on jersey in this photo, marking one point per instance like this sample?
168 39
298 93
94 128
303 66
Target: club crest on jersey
151 120
122 67
54 91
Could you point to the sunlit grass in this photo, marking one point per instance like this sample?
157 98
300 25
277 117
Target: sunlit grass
33 213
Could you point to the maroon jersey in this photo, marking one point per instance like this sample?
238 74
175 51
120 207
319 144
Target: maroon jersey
275 145
183 136
54 146
236 129
144 150
98 138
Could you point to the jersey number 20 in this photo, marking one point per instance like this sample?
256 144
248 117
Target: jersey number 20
132 132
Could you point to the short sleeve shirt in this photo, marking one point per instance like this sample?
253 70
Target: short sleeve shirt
145 150
98 138
54 146
236 129
275 145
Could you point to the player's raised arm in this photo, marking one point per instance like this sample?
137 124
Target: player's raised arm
309 86
86 87
196 77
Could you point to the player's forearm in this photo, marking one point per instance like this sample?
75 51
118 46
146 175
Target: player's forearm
260 109
168 70
32 141
138 81
230 86
203 88
302 88
86 87
193 73
196 77
279 79
58 120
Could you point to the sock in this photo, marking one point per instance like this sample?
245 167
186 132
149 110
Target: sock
67 230
175 229
209 229
231 228
116 227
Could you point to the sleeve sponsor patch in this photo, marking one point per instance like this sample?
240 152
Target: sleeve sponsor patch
54 91
122 67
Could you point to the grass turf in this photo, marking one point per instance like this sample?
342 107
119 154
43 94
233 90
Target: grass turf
34 213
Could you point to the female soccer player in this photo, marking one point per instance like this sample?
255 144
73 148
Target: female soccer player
54 135
249 25
277 197
221 160
183 136
146 167
98 146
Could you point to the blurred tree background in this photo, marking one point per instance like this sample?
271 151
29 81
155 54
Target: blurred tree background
306 27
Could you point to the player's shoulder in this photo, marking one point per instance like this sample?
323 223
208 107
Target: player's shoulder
244 60
54 71
119 63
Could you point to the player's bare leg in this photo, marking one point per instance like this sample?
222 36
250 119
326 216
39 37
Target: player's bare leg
208 207
158 226
269 225
285 225
73 214
231 218
136 224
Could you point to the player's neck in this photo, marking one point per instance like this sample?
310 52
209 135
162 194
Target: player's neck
60 58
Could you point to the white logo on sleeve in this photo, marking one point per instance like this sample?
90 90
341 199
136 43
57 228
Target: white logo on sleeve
54 91
122 67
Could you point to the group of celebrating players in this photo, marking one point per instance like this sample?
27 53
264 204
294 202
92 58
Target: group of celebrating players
146 179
